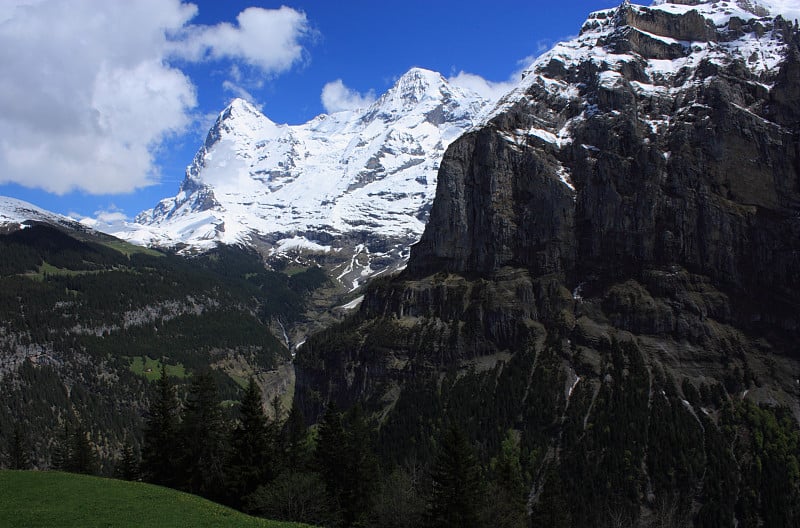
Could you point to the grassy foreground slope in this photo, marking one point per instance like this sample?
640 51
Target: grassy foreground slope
46 499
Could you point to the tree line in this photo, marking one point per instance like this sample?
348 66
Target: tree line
630 434
329 475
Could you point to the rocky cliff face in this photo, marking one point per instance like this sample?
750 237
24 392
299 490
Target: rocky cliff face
607 162
627 217
604 166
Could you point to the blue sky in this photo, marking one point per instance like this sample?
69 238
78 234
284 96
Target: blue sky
103 104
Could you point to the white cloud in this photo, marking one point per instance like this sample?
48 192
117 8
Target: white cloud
543 45
112 215
241 92
265 38
337 97
103 219
491 90
88 93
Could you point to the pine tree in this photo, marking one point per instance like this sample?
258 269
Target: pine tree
456 499
348 465
277 411
160 449
331 446
202 440
252 445
294 440
553 507
20 455
360 479
508 504
61 449
128 468
83 457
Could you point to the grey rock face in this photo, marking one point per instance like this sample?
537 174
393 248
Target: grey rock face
666 199
641 186
704 177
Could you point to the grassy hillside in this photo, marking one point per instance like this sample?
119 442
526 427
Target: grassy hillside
34 498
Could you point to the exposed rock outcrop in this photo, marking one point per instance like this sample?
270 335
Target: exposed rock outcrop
632 210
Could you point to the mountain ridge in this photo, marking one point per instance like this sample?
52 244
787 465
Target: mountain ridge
16 214
617 240
356 178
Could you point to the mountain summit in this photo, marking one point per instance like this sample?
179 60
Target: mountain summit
610 271
698 100
353 178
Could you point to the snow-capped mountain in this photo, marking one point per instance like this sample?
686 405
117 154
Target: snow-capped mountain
665 43
649 92
17 214
367 176
364 180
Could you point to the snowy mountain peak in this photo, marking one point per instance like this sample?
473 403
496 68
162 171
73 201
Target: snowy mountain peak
420 91
662 48
243 119
716 12
240 106
15 214
417 84
358 180
788 9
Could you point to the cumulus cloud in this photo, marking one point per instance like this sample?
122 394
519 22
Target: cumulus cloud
88 92
491 90
337 97
111 216
266 38
103 219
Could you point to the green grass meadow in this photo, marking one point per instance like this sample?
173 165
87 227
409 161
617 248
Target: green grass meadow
151 368
33 499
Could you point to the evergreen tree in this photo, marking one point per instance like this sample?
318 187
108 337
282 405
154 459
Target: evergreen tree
360 478
252 444
83 458
277 411
20 455
456 499
553 508
61 450
160 449
294 440
348 465
507 509
331 446
128 468
202 440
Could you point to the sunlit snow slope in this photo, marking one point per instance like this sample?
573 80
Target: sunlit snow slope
365 177
363 181
16 214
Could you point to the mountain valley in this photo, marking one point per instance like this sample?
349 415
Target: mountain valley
582 299
88 319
